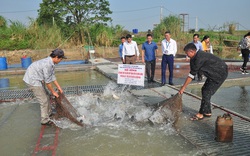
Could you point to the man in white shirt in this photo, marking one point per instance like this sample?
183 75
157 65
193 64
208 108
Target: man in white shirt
130 52
169 49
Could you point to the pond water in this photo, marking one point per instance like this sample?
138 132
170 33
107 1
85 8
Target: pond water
109 131
74 78
234 95
116 121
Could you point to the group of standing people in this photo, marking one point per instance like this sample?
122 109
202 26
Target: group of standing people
129 53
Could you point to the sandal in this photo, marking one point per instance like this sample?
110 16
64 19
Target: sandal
207 115
195 118
49 123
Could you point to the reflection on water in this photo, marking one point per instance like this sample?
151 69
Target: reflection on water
243 99
232 95
88 77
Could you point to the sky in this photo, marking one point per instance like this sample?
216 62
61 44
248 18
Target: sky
144 14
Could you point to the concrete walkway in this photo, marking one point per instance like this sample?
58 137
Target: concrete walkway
199 133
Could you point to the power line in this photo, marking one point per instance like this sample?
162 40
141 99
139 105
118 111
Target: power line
131 20
10 12
125 11
168 10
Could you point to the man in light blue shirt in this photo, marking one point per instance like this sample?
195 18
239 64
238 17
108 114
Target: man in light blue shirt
196 42
43 72
123 39
149 50
198 45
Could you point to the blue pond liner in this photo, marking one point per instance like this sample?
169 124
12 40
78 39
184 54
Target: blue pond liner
15 66
73 62
61 63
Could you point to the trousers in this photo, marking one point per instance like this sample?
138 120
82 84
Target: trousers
43 99
167 60
150 69
130 59
208 90
245 56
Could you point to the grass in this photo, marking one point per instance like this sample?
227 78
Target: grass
17 36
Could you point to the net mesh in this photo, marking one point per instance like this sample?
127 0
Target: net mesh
168 110
21 94
173 105
65 109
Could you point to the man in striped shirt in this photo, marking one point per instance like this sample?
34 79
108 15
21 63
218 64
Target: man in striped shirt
40 73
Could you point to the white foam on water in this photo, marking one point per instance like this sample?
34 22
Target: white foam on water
105 110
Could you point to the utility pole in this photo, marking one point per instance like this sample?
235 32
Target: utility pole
53 20
161 16
183 21
196 24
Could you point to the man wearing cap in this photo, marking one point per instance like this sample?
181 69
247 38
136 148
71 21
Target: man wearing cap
40 73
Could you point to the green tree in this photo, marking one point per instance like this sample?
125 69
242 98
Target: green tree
3 22
49 13
171 23
77 13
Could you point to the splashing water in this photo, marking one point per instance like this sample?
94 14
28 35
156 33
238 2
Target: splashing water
114 108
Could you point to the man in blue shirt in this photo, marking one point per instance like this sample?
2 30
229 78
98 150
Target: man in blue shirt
123 39
149 50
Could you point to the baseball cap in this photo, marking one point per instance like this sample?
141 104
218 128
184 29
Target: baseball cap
59 53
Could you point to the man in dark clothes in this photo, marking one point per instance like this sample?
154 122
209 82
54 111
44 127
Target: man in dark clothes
213 68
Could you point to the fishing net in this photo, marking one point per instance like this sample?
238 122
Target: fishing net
168 110
65 109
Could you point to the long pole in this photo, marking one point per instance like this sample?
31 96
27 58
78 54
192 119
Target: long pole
161 14
196 24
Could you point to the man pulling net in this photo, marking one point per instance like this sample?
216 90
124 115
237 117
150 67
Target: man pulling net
41 73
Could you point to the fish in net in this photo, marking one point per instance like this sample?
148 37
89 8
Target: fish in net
168 110
64 109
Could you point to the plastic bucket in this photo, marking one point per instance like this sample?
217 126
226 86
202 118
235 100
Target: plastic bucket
4 83
3 63
26 62
135 31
